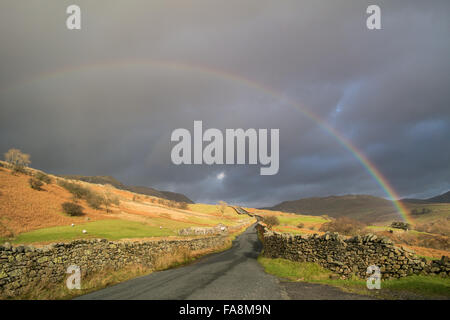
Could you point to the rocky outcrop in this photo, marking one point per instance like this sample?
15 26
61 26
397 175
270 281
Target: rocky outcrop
349 256
21 266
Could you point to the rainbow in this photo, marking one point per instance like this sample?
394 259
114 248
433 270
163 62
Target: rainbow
365 162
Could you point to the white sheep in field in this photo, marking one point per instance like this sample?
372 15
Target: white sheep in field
84 231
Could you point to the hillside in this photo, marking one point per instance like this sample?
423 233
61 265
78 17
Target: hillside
366 208
360 207
28 215
136 189
443 198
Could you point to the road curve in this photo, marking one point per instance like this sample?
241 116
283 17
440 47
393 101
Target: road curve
233 274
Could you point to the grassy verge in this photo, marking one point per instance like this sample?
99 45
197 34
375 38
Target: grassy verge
45 290
404 288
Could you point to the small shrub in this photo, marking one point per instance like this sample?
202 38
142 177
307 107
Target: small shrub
114 200
43 177
35 184
344 225
18 169
182 205
94 201
72 209
271 221
171 203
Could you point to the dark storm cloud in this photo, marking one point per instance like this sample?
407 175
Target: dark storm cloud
386 91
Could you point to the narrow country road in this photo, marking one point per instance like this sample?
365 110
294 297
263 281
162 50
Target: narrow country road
233 274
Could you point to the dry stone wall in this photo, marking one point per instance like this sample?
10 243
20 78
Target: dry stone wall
21 266
219 229
349 256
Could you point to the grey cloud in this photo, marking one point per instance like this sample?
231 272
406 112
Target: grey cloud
385 91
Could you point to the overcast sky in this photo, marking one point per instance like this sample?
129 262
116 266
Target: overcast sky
99 101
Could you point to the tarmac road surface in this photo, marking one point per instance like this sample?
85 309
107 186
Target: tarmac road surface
233 274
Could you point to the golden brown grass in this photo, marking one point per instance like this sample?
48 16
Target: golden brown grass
345 226
24 209
429 252
439 226
416 239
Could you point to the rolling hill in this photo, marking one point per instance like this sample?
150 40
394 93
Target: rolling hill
367 208
136 189
443 198
360 207
28 215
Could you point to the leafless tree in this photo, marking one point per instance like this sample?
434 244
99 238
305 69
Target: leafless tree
17 159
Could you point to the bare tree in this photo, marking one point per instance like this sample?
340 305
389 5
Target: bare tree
109 198
17 159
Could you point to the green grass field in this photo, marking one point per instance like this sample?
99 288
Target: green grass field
426 286
113 229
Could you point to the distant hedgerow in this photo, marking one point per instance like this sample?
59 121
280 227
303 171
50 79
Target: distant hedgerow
72 209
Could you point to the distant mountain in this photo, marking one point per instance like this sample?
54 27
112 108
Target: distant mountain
443 198
97 179
365 208
160 194
136 189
